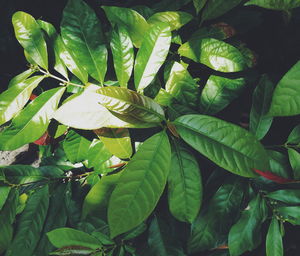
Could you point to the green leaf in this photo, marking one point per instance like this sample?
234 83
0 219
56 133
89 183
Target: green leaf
226 144
294 137
182 86
174 19
4 192
123 54
261 100
96 201
32 122
290 214
30 36
274 239
219 92
288 196
286 96
30 224
170 5
163 98
81 32
214 222
216 8
76 147
279 164
199 4
21 77
184 184
75 250
97 154
15 98
140 186
54 39
294 157
275 4
135 23
213 53
151 55
64 237
130 103
245 234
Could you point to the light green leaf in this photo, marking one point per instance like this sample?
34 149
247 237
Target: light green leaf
286 96
76 147
31 123
123 54
81 32
294 157
274 239
219 92
275 4
294 137
182 86
174 19
151 55
216 8
245 235
15 98
135 23
30 224
184 184
199 4
213 53
130 103
65 237
288 196
140 186
261 100
4 192
21 77
163 98
226 144
97 154
30 36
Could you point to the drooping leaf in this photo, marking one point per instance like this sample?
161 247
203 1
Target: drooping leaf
130 103
184 184
216 8
214 222
31 123
213 53
226 144
275 4
76 147
261 100
286 96
123 54
20 77
30 36
288 196
97 154
294 157
140 186
174 19
81 32
199 4
294 137
219 92
15 98
135 23
151 55
65 237
30 224
274 239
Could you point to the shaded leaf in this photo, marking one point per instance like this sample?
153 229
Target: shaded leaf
275 4
288 196
294 157
199 4
290 214
274 245
4 192
273 177
294 137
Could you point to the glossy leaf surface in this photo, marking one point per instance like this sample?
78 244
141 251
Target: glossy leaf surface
20 77
275 4
228 145
274 245
140 186
151 55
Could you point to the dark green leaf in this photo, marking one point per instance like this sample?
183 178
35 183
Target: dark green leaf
275 4
4 192
294 137
279 164
170 5
140 186
294 157
288 196
290 214
274 239
74 251
199 4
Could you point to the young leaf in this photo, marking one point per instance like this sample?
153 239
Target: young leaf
174 19
286 96
184 184
21 77
130 103
274 239
275 4
140 186
65 237
30 224
294 137
261 100
213 53
31 123
15 98
288 196
81 32
151 55
123 54
135 23
294 157
30 36
245 234
228 145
